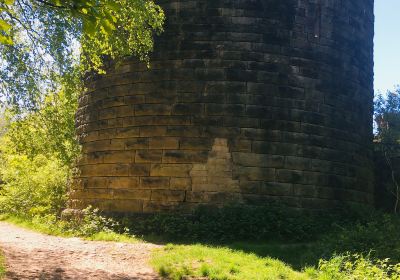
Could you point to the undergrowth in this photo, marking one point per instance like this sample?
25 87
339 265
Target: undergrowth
92 226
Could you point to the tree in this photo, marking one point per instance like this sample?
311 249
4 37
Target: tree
387 136
46 43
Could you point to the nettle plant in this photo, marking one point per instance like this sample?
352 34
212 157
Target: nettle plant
43 41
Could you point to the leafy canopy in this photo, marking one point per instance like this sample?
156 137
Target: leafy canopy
43 41
387 118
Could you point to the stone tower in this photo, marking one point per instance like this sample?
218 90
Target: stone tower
246 101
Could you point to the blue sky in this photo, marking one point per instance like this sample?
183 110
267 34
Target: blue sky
387 44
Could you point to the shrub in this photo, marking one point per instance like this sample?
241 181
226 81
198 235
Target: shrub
92 222
377 236
33 186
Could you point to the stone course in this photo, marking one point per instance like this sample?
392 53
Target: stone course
246 101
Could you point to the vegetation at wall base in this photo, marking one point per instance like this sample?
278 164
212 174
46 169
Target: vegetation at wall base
263 230
92 228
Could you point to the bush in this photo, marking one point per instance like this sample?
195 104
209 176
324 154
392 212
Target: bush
91 222
378 236
33 186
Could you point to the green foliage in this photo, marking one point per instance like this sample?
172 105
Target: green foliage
354 267
41 42
33 186
37 151
377 235
387 118
387 139
237 222
49 132
90 223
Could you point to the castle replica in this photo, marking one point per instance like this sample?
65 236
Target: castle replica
246 101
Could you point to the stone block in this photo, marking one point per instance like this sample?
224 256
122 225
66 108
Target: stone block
138 169
185 131
187 109
154 182
127 132
96 183
298 163
106 134
168 195
132 194
153 131
258 160
180 184
170 170
116 183
195 143
164 143
136 143
290 176
184 156
254 173
148 156
118 157
97 146
152 110
101 170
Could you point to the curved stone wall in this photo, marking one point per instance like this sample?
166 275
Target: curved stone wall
246 101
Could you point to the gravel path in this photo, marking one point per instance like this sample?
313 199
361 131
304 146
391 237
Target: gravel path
31 255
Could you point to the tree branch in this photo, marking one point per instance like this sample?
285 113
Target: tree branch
52 5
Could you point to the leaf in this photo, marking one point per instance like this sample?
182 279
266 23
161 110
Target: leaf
84 11
4 26
107 26
9 2
5 40
89 27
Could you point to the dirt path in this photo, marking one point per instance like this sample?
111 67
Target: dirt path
30 255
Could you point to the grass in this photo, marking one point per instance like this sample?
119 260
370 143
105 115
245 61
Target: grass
218 263
179 262
56 230
34 225
2 266
297 255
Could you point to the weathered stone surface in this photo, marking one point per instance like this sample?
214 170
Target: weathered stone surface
247 101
